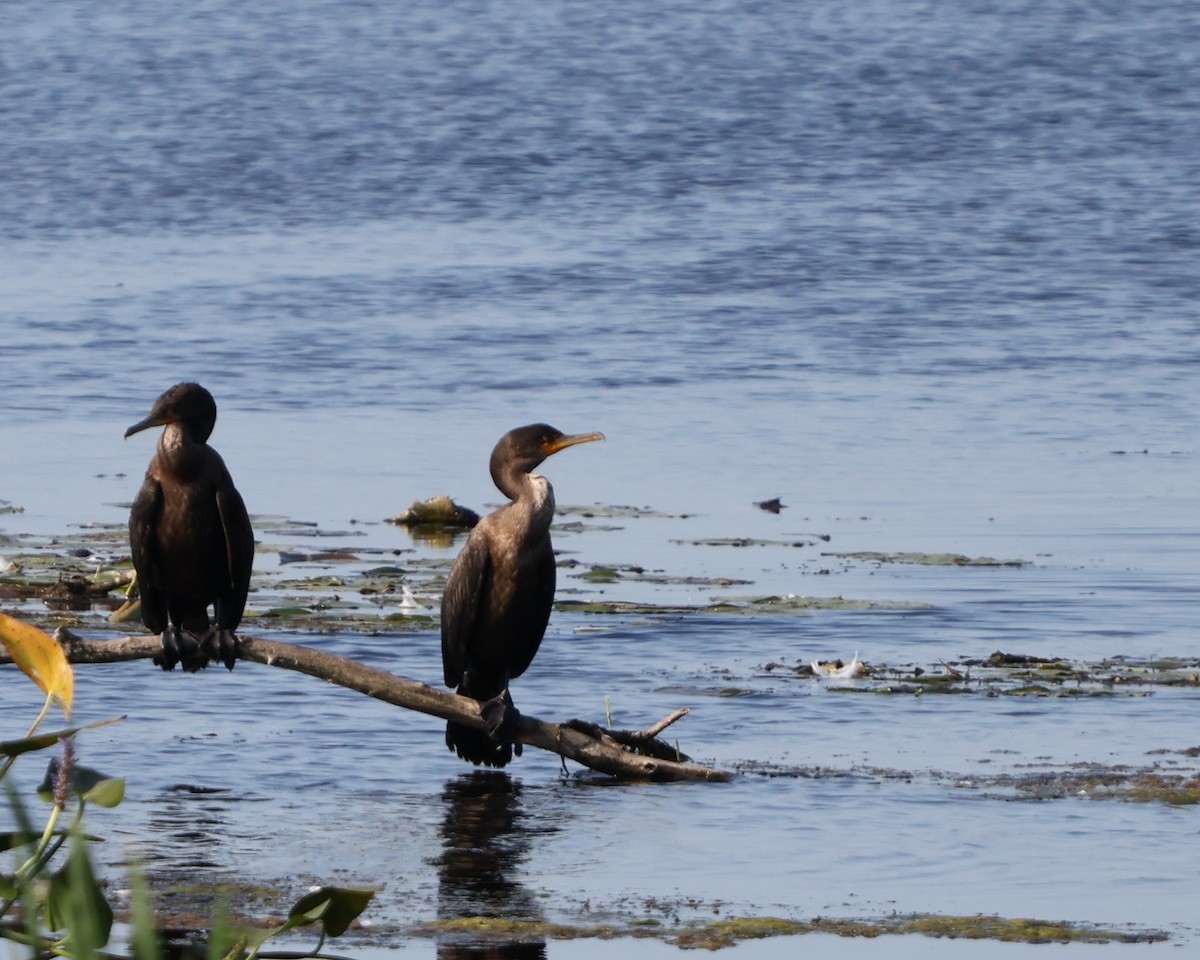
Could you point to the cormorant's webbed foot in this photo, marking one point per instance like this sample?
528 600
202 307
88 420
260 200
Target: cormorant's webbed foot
503 719
182 647
221 644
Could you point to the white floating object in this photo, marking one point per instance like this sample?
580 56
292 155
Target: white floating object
836 670
408 599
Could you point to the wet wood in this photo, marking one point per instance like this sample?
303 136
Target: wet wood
642 741
626 754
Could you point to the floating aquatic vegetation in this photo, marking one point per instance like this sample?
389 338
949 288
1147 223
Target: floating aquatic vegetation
83 573
806 541
1147 783
729 931
792 603
306 529
1093 781
321 556
617 511
742 606
629 607
614 573
69 573
927 559
350 600
79 578
339 616
1011 675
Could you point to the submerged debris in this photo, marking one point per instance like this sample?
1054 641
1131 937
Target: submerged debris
79 592
436 511
1001 659
837 670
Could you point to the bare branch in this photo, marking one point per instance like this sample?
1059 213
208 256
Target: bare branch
628 754
656 729
640 741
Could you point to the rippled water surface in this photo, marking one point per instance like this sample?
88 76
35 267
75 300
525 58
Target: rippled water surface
927 272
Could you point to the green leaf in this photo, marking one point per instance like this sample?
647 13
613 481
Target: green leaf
224 938
75 903
144 936
14 748
335 907
107 793
89 784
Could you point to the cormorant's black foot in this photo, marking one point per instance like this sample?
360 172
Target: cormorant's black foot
502 718
182 647
220 644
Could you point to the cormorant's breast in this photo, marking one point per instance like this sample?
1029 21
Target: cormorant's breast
190 539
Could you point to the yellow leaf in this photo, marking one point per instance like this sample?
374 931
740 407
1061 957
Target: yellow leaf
42 659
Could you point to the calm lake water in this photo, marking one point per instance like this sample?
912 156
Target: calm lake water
927 272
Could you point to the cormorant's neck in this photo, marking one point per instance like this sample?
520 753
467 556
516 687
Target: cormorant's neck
533 492
179 448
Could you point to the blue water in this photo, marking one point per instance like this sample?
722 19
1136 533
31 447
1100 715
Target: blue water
926 271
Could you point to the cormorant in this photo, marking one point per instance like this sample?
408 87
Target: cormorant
498 596
190 535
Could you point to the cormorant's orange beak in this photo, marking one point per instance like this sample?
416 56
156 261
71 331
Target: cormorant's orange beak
563 442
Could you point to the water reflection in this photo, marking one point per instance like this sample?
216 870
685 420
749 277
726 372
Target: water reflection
185 856
191 822
511 950
484 843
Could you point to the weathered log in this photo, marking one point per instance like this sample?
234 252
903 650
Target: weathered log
606 751
641 741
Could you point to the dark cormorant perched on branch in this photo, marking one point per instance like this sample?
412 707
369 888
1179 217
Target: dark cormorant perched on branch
499 593
190 535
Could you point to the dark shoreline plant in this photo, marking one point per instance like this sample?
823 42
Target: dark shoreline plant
55 906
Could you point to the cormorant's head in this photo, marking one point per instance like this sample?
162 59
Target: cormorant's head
187 403
522 449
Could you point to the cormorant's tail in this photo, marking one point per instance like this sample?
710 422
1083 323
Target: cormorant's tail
476 747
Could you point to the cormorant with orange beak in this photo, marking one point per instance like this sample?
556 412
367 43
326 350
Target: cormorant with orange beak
498 597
